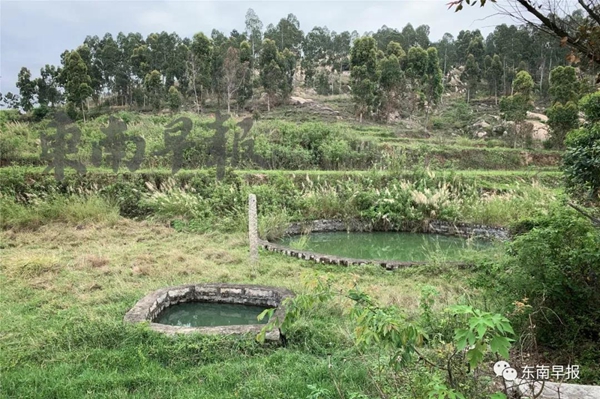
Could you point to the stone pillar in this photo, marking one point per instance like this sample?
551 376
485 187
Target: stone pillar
253 229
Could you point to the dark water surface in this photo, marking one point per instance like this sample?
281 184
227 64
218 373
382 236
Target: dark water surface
206 314
386 245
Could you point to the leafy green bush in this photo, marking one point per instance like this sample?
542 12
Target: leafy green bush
562 119
590 105
556 265
582 160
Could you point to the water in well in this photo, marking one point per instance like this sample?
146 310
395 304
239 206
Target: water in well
206 314
395 246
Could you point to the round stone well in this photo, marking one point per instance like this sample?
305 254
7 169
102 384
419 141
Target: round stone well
149 308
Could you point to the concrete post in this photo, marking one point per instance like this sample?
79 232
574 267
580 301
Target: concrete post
253 229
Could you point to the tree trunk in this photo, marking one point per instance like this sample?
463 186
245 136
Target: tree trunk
445 58
504 76
496 93
268 103
228 103
83 112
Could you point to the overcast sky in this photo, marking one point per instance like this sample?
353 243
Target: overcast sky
35 33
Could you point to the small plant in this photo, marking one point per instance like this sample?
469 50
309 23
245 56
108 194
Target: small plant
300 243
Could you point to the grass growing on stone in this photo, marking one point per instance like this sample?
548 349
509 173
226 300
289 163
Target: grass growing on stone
65 288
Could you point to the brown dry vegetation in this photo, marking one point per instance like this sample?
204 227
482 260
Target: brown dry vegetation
87 265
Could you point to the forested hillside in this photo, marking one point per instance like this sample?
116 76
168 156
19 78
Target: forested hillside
235 69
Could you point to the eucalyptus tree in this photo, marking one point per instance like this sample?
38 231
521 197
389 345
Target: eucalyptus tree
472 76
26 88
447 51
234 74
198 68
422 36
493 74
385 35
432 80
254 28
514 107
565 91
316 49
392 83
77 79
47 86
271 74
286 34
364 75
220 46
154 89
89 54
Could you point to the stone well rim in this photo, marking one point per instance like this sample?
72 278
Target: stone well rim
432 226
147 309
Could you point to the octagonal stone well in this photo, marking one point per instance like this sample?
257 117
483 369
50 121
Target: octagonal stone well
150 307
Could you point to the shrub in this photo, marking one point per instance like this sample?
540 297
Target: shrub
562 119
590 105
556 265
582 161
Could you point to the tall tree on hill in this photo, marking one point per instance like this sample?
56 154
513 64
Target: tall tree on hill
363 75
391 82
422 36
220 46
477 48
89 54
254 28
493 74
564 85
471 75
385 35
463 41
514 108
245 91
234 74
580 30
271 74
26 88
447 51
432 80
47 86
409 36
77 87
340 54
107 61
140 61
198 67
125 79
416 70
287 62
286 34
565 90
154 89
316 48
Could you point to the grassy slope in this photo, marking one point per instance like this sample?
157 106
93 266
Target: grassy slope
65 289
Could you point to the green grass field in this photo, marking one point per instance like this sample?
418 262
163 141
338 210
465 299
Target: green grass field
76 255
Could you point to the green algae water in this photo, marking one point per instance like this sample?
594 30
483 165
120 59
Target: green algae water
206 314
395 246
